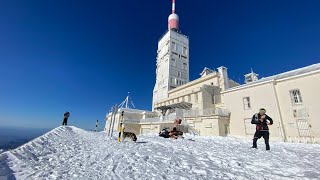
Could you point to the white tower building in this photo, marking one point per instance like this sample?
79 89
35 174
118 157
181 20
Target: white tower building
172 60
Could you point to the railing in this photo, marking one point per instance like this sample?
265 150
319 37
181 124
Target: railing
169 118
155 119
135 121
206 112
183 114
190 129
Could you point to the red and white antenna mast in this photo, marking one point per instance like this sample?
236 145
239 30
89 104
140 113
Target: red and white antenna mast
173 6
173 21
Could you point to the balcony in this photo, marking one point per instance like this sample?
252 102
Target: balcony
181 113
206 112
162 119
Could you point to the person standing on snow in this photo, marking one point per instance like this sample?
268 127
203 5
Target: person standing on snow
96 126
262 130
65 118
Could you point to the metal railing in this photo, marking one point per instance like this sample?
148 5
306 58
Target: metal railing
206 112
183 114
169 118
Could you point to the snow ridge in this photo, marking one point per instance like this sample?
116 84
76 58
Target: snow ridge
73 153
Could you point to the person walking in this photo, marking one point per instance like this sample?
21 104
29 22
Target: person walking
65 118
96 126
261 120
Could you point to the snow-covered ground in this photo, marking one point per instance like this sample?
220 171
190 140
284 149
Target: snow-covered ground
73 153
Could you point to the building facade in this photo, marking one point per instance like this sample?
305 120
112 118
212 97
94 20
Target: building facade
172 63
213 104
290 98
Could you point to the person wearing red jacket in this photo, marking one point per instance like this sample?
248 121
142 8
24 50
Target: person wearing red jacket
261 120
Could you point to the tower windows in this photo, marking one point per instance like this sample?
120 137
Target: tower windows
173 62
174 46
184 51
185 67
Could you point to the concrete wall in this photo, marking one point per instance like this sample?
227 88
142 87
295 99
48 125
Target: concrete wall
193 89
309 87
261 96
209 126
134 128
275 97
129 114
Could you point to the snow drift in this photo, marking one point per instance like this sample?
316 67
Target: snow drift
73 153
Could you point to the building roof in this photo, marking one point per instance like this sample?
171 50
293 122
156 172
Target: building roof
181 105
136 111
206 71
288 74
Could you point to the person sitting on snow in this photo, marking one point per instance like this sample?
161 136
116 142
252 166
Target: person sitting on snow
175 134
262 130
164 133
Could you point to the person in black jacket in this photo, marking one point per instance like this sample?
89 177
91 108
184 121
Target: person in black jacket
262 130
65 118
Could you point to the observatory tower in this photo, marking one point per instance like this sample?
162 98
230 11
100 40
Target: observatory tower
172 59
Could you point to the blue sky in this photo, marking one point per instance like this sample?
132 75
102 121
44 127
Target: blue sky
84 56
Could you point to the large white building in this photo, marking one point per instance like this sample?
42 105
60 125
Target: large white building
172 60
213 104
290 98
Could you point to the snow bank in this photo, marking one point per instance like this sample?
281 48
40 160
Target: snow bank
72 153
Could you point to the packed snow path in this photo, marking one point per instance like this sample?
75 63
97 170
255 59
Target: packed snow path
73 153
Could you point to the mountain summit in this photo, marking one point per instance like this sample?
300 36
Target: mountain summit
72 153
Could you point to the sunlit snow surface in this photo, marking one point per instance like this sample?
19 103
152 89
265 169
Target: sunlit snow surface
73 153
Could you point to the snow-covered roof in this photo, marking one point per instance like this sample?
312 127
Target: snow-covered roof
206 71
292 73
134 110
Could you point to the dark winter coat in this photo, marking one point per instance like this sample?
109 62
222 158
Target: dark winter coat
66 115
164 133
261 126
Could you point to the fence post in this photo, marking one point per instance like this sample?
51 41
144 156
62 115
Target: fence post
111 118
114 118
120 128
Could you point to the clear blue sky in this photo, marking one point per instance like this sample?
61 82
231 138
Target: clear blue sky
84 56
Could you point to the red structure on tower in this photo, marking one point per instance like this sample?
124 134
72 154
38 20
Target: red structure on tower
173 21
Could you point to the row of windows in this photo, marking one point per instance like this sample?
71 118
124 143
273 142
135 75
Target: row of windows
174 63
177 81
295 95
175 48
